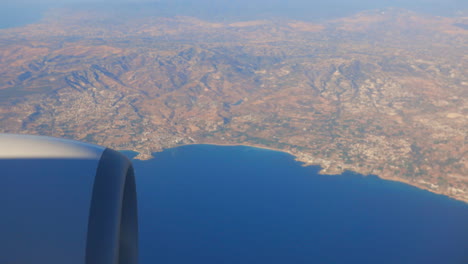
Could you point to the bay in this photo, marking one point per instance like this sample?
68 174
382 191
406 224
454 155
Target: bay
213 204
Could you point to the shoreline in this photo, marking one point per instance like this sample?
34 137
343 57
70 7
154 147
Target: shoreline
305 164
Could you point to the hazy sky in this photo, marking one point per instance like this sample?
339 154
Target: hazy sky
15 12
262 2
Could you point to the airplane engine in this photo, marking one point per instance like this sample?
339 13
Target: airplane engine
64 201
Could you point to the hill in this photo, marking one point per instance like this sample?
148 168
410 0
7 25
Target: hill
382 92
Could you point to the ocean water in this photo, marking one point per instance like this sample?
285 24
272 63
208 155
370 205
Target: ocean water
211 204
17 14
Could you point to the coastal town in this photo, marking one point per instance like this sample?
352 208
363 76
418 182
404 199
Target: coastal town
339 94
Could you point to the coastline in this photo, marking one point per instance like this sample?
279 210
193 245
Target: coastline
322 171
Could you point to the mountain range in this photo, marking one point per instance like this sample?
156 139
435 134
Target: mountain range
381 92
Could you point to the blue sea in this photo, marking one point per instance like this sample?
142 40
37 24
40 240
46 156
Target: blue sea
212 204
19 14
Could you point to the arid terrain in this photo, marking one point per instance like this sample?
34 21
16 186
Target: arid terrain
382 92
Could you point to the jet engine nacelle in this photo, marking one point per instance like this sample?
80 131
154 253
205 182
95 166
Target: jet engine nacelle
64 201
